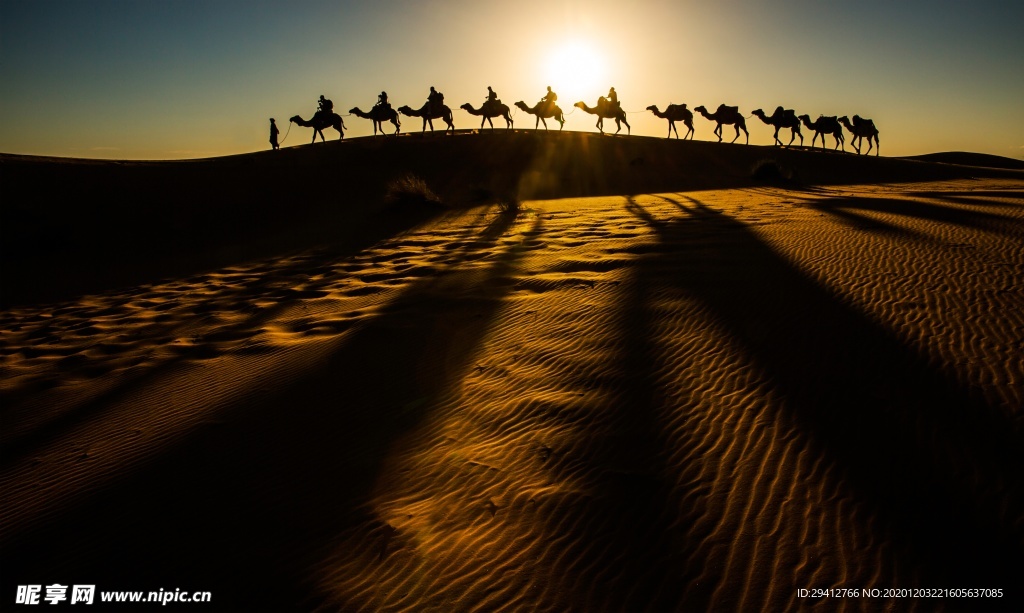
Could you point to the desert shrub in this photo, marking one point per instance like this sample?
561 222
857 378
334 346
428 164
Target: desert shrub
410 189
770 170
509 206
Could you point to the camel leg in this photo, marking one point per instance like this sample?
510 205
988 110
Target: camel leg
777 141
737 135
629 128
718 132
671 126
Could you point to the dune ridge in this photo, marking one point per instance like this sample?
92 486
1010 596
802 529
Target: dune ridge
619 399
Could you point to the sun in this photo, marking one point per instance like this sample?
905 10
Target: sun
576 71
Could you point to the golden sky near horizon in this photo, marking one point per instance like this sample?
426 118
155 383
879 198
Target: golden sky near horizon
167 79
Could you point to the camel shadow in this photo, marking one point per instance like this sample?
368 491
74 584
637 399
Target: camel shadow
252 498
934 462
231 298
925 211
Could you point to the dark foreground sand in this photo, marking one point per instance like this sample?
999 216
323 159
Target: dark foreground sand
679 376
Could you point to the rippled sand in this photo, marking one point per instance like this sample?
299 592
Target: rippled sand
700 400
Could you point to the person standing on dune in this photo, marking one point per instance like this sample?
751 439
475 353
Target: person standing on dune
273 135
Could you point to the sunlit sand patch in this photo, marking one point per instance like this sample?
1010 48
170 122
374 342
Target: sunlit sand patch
692 400
515 489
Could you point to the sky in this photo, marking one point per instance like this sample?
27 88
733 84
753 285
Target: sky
177 79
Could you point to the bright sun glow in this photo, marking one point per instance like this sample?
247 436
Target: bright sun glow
576 71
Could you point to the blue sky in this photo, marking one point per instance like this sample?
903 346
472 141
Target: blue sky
155 79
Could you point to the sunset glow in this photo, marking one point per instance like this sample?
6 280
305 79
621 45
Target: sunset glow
185 79
576 71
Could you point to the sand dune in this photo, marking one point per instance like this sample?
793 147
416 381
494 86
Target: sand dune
667 381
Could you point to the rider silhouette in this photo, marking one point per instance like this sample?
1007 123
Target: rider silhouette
324 106
613 99
492 97
434 100
382 101
549 98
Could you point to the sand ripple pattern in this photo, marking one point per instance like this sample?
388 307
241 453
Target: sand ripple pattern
698 401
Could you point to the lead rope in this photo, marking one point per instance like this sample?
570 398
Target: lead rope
286 133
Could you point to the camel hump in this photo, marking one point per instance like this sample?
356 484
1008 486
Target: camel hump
783 112
724 108
860 121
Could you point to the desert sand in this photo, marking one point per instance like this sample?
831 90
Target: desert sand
563 372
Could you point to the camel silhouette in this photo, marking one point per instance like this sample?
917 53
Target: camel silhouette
320 121
487 111
543 112
429 115
782 118
726 115
674 113
378 116
861 128
822 126
603 110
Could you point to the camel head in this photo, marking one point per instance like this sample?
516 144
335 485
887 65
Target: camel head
759 113
405 109
466 107
700 109
581 105
653 108
295 119
522 106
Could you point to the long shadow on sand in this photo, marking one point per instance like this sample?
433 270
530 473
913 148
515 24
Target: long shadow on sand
938 466
274 281
244 506
926 211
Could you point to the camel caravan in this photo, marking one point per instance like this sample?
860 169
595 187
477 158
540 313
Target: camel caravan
607 107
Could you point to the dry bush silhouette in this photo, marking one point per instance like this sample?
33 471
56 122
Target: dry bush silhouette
411 190
770 170
510 206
